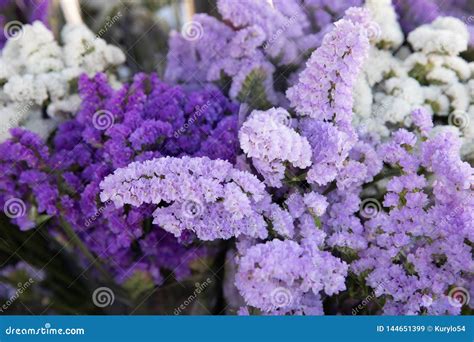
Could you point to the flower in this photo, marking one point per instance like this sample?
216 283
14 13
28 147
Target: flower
37 72
266 138
225 198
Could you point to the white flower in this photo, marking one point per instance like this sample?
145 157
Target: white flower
459 95
445 35
37 71
82 50
363 98
383 13
433 77
25 88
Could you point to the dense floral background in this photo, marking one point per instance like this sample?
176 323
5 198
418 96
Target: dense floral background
251 157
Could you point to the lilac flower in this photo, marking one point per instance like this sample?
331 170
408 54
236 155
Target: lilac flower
280 277
244 51
207 197
422 120
266 138
324 95
324 88
420 247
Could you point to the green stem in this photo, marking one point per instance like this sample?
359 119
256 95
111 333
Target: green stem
83 248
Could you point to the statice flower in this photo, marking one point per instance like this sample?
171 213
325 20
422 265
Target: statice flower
39 76
213 200
434 76
267 138
420 245
418 12
113 128
209 198
24 161
332 70
281 277
444 35
291 274
323 94
255 40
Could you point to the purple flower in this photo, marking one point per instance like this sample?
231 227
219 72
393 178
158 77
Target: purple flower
203 196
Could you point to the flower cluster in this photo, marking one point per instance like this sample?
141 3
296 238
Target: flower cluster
208 198
433 76
324 154
39 76
113 128
420 247
254 40
414 13
266 138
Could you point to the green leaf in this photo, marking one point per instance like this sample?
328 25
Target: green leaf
253 90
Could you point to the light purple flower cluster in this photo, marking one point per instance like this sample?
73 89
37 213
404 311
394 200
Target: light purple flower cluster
324 95
419 247
209 198
254 39
281 277
215 201
314 213
267 138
